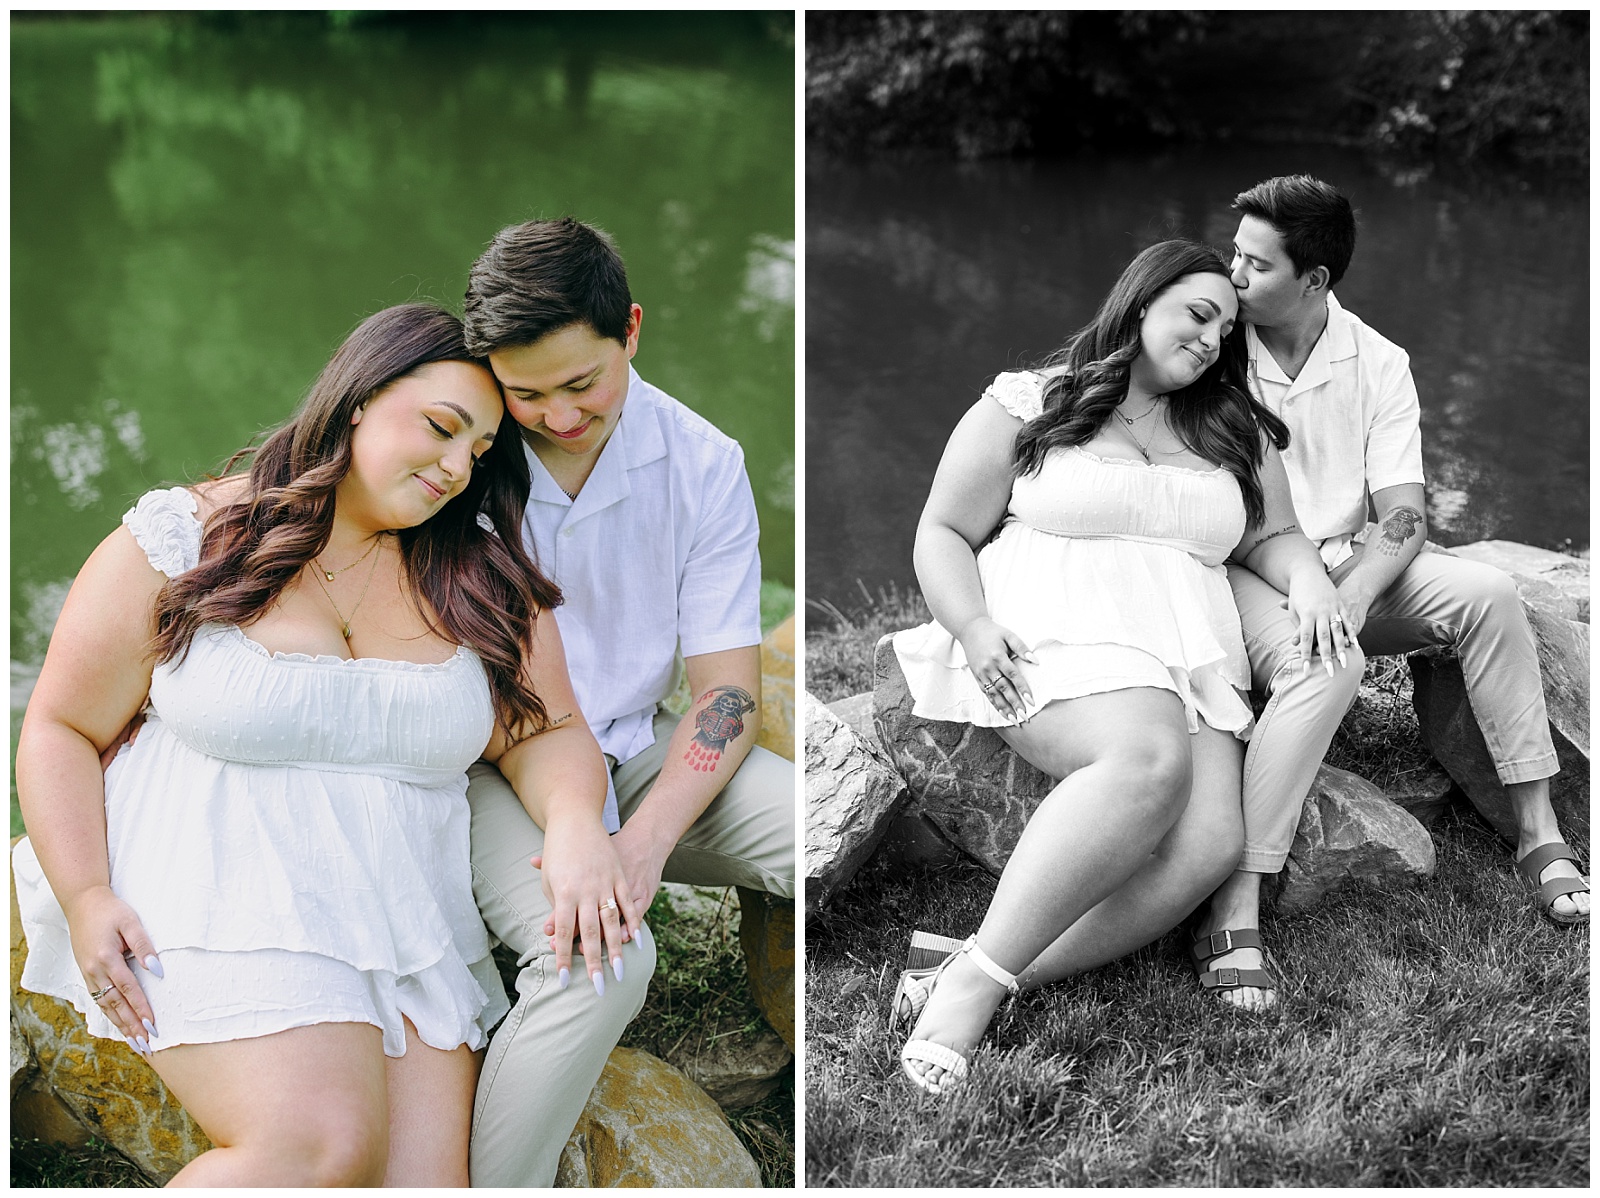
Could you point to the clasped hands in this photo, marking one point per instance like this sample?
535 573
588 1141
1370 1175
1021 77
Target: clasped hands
599 890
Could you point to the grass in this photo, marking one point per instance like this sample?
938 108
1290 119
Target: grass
35 1163
1437 1036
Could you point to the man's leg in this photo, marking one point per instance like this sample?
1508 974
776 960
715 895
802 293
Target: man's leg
548 1053
744 838
1474 609
1290 739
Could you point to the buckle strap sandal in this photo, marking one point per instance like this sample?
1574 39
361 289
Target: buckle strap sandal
940 1055
1546 893
1208 948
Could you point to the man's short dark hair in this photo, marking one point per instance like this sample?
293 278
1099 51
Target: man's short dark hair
1316 222
541 276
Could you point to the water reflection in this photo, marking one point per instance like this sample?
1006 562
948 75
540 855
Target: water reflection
201 213
926 279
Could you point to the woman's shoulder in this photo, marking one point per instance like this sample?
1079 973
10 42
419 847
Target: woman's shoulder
1019 392
214 493
167 524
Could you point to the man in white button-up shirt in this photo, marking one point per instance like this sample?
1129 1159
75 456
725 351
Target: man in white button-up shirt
1347 395
642 513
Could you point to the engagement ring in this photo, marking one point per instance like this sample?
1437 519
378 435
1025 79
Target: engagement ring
97 995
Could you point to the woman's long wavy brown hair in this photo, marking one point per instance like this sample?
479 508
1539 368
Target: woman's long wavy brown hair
1216 415
481 586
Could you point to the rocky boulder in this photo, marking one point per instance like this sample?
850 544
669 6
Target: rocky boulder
1556 583
646 1124
1425 795
852 794
766 933
1351 834
965 781
1451 731
855 712
777 691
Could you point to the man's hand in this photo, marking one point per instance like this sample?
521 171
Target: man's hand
1354 597
642 859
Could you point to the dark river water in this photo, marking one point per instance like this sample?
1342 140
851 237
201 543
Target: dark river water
923 281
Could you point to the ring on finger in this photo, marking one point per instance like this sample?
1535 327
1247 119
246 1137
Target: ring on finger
609 905
97 995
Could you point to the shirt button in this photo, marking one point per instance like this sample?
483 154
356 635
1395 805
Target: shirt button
566 532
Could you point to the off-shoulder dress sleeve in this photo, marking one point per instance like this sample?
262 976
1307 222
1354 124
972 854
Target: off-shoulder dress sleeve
1019 392
167 527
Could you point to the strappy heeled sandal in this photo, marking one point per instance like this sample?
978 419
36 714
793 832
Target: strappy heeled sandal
927 953
1208 948
938 1055
1546 893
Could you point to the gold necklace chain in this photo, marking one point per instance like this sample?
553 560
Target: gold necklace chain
1130 421
330 575
345 622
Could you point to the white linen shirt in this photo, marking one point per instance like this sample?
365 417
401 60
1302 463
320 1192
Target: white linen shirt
1355 426
659 552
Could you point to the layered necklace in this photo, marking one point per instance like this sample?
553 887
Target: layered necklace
1133 431
330 575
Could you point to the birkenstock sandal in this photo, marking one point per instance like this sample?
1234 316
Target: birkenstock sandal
1546 893
1207 948
940 1055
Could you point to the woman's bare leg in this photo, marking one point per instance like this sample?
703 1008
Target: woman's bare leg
1124 761
1190 862
430 1113
305 1107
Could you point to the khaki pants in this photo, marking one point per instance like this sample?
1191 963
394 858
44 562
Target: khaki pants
1438 602
548 1054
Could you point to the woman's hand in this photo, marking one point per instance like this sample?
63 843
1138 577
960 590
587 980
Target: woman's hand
1323 624
105 933
590 899
992 653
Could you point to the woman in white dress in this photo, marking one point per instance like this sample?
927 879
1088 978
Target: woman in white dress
1097 634
268 892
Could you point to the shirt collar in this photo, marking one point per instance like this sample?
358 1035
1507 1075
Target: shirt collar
635 441
1336 342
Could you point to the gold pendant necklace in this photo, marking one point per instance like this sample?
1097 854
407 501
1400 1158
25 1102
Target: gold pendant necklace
330 575
344 621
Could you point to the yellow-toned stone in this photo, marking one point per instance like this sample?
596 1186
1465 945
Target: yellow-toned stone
766 933
777 691
101 1084
646 1124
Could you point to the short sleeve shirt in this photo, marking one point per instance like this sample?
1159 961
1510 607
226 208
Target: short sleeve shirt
1354 426
658 553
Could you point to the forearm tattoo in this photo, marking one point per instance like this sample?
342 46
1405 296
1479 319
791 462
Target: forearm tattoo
721 720
1287 528
1399 526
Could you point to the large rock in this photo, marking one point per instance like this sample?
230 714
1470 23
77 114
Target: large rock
1556 583
84 1086
1426 795
1351 834
855 712
766 933
646 1124
1452 735
777 691
964 780
852 794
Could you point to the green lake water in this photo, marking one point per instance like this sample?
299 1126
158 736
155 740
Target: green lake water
202 209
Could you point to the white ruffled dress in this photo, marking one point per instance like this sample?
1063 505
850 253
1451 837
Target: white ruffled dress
293 832
1111 570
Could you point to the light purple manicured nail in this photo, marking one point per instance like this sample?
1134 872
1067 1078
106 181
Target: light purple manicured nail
616 966
598 977
142 1045
153 964
564 978
149 1027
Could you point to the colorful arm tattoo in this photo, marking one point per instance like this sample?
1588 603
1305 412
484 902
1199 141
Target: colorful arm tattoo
717 723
